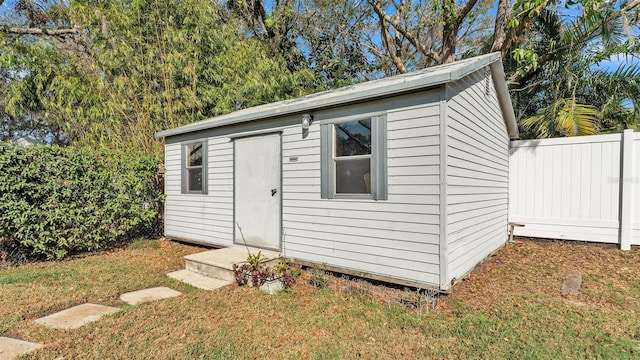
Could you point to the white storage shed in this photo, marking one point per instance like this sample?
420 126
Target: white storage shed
403 179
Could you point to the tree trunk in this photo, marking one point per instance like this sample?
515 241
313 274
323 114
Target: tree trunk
500 29
449 39
453 16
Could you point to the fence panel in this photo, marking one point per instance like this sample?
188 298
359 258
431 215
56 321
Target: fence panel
635 192
569 188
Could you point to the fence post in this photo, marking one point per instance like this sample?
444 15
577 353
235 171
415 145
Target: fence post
626 186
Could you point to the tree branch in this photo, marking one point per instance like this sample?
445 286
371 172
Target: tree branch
38 31
522 25
387 44
631 5
379 9
463 11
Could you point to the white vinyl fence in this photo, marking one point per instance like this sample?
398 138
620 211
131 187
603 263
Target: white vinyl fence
582 188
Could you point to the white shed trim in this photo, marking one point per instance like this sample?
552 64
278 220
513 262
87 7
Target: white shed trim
444 250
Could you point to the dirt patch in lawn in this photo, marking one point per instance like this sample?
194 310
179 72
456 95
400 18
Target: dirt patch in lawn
533 267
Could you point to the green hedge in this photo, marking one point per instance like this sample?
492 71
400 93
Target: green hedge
56 201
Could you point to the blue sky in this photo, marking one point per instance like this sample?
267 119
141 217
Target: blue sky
8 4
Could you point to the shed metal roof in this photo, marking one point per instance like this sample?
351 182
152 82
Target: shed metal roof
390 86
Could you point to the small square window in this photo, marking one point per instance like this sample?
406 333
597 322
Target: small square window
194 168
354 159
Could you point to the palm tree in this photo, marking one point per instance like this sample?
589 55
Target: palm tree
572 95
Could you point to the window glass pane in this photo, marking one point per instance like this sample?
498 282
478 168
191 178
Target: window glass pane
353 138
195 154
195 179
353 176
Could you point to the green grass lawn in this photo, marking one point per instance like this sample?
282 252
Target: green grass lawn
509 308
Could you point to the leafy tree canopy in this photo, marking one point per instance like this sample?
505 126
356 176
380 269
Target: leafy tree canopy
112 72
126 69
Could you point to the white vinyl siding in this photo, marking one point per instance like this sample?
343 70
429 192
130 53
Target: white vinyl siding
206 218
398 237
477 173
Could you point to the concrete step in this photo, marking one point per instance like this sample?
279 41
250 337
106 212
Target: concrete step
219 263
200 281
77 316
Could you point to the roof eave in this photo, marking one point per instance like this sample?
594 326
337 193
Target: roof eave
310 104
358 93
504 99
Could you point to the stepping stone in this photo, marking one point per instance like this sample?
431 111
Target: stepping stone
152 294
12 348
197 280
572 284
76 316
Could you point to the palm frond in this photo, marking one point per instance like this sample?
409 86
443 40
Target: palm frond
564 117
625 49
539 126
622 83
575 119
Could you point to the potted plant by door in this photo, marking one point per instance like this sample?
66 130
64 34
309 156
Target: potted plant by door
270 280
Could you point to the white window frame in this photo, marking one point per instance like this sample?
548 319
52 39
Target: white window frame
378 158
184 163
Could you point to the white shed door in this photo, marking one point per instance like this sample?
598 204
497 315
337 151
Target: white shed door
257 191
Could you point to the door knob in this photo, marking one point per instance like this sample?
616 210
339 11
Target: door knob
274 191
